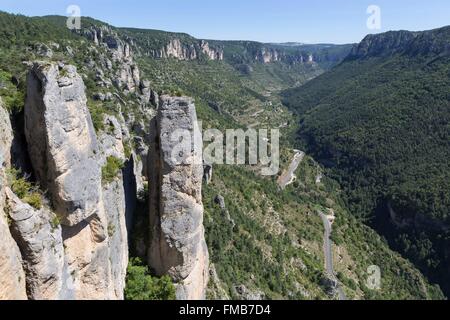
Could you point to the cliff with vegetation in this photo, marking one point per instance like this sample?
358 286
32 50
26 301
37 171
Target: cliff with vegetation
379 122
93 207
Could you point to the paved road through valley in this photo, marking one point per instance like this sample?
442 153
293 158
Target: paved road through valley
328 252
288 176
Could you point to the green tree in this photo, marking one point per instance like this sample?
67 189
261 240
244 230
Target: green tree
140 285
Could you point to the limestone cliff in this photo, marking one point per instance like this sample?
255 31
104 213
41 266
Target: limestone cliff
12 275
74 245
178 245
126 74
41 244
87 255
194 50
191 275
62 142
270 55
433 42
211 53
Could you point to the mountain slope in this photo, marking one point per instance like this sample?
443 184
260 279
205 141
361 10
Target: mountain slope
263 242
379 122
214 85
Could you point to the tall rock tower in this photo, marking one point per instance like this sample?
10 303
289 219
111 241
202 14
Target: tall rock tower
178 246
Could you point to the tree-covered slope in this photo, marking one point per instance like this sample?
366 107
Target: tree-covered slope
271 242
380 122
252 252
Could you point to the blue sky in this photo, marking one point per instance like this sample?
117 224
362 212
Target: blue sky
310 21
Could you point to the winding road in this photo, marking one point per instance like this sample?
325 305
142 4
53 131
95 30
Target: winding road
288 176
328 252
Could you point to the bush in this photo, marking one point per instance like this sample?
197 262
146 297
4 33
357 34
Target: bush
34 199
140 285
111 169
55 222
24 189
97 116
128 150
13 97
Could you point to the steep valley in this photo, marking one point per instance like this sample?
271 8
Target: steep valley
90 203
379 123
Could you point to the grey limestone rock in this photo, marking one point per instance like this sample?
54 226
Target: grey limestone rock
178 245
38 235
62 141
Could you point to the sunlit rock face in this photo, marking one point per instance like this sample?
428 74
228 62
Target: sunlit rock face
178 245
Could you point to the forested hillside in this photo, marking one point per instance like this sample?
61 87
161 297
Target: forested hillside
257 103
263 242
380 123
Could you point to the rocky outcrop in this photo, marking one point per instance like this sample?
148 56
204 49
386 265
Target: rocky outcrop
38 234
105 36
271 55
174 49
98 248
433 42
211 53
12 275
87 254
148 95
76 245
62 142
127 76
195 49
267 55
217 290
6 138
42 50
67 160
330 285
382 45
207 173
178 245
246 294
116 203
220 201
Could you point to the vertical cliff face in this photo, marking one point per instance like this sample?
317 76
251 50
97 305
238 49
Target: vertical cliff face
116 201
176 49
40 242
12 275
62 141
67 160
6 138
211 53
178 245
270 55
75 246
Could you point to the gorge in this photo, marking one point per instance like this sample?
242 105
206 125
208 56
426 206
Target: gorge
94 207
